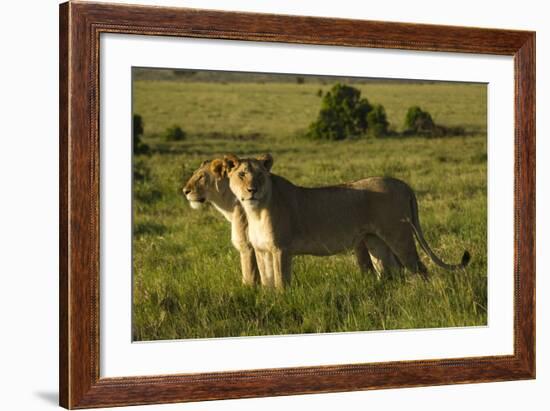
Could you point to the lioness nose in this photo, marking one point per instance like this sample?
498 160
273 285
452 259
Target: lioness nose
252 190
186 191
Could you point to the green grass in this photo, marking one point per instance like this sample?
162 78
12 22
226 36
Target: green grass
186 272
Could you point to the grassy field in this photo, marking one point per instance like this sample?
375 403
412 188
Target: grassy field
186 273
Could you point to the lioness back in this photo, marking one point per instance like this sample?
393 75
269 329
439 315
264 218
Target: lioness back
327 220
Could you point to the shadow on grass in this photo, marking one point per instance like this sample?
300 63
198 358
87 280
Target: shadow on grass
149 228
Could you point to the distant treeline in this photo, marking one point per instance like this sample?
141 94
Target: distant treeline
211 76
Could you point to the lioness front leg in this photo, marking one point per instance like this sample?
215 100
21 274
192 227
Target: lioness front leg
239 238
249 268
281 268
265 265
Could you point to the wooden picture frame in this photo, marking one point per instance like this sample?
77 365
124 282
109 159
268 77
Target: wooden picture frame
80 27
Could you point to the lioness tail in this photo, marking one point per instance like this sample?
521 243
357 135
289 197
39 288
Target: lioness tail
417 230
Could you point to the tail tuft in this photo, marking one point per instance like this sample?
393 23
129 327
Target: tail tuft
465 259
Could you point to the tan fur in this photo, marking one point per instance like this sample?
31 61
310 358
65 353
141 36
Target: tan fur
206 187
375 216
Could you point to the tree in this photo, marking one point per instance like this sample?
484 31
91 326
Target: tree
343 114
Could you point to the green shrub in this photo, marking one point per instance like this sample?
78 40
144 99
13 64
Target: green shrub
343 114
174 133
137 133
377 121
419 121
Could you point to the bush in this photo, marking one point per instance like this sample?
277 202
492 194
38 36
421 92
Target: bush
419 121
137 133
343 114
174 133
377 121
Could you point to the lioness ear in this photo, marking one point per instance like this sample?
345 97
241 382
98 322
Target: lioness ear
231 162
217 167
266 160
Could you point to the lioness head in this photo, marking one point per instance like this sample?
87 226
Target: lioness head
203 183
249 178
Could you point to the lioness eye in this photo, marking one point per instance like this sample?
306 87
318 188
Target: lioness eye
241 174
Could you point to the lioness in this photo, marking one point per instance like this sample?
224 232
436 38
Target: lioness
285 220
204 187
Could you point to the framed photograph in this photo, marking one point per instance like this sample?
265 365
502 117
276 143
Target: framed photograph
258 205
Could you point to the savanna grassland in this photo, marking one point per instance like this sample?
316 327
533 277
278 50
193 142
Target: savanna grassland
187 282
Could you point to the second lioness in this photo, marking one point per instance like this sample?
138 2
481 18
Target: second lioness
285 220
203 187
